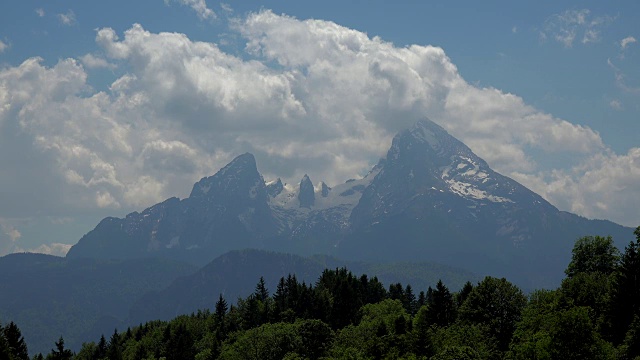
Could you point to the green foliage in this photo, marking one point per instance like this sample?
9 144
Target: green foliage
593 254
573 335
497 304
457 353
460 336
625 297
279 340
381 332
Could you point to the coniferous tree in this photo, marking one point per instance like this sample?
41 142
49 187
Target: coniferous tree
462 295
60 353
16 342
396 292
5 351
101 348
280 297
409 300
180 344
625 299
114 352
441 306
221 309
422 299
261 293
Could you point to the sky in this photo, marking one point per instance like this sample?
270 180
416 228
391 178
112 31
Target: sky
110 107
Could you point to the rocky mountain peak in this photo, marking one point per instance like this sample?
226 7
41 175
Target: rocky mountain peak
240 178
324 189
306 196
274 188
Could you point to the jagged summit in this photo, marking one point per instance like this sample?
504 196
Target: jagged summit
306 196
274 188
324 189
239 178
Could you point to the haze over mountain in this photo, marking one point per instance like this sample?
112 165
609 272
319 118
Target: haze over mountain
430 199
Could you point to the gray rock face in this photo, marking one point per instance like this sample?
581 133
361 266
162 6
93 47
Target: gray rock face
274 189
306 196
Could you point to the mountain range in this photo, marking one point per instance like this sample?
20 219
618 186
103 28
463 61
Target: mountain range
429 199
429 209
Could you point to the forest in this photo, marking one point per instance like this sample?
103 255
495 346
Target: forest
593 314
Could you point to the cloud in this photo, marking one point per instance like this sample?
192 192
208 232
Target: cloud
621 79
56 249
3 46
68 18
40 12
615 104
200 7
306 97
93 62
514 30
627 41
11 232
565 27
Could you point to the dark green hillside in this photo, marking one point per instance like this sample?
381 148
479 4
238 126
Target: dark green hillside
80 298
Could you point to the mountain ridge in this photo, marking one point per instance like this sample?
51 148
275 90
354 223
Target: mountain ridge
430 198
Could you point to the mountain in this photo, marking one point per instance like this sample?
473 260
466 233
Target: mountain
49 296
434 199
430 199
226 211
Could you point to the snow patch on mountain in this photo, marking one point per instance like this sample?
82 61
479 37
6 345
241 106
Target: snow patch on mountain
463 177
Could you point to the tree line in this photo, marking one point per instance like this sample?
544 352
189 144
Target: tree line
594 314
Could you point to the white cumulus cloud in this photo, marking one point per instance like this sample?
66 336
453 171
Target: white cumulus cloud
95 62
308 96
68 18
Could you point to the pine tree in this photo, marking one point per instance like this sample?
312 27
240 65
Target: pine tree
114 352
396 292
409 301
280 297
625 300
101 349
221 309
16 342
261 292
60 353
462 295
422 299
5 351
441 307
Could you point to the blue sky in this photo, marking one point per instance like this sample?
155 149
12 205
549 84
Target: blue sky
103 117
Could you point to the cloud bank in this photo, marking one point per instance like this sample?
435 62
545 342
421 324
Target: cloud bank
308 97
